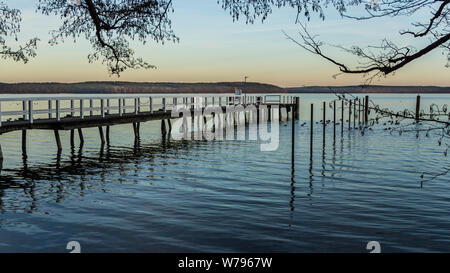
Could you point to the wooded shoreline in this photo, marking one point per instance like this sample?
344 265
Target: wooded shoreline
204 88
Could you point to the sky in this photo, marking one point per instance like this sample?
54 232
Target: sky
213 48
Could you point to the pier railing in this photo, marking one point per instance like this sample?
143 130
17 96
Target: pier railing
32 108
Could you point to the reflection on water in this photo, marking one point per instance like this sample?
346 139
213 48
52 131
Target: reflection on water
154 194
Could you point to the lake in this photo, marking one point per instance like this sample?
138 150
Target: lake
160 195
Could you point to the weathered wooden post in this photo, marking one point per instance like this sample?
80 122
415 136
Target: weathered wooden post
80 135
58 140
350 115
24 109
81 109
102 137
120 107
366 110
293 139
297 108
72 138
102 106
342 115
24 141
58 110
354 113
163 127
49 109
359 113
334 119
107 134
30 111
72 108
324 122
418 108
135 130
311 129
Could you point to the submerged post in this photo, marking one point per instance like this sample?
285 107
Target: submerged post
350 115
418 108
24 141
58 140
102 137
334 119
107 134
169 123
359 113
366 110
342 116
324 122
293 139
72 138
312 127
80 135
163 127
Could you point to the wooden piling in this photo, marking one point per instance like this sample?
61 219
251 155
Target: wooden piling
324 122
102 137
293 140
163 127
334 119
107 133
168 122
366 110
80 135
24 141
72 138
297 108
359 113
418 108
58 140
312 129
354 113
135 130
342 115
350 115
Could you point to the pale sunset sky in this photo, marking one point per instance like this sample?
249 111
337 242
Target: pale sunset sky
213 48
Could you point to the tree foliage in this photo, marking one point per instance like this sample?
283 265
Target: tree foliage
110 25
375 60
9 28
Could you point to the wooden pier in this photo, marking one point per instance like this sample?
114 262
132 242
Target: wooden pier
76 113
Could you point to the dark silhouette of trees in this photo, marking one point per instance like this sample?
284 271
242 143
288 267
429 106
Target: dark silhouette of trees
9 28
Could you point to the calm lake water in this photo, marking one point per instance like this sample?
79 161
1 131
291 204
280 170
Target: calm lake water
228 196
